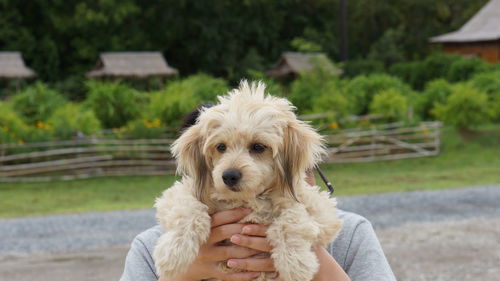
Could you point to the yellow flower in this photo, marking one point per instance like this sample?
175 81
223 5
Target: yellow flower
157 122
20 142
333 125
39 124
5 128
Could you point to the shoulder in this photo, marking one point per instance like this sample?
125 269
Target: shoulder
339 248
147 239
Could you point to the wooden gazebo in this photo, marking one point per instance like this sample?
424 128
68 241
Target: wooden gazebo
479 37
136 65
12 66
291 64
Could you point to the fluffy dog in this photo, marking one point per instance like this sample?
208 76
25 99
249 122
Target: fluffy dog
250 151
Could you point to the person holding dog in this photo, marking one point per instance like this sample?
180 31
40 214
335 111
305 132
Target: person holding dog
355 254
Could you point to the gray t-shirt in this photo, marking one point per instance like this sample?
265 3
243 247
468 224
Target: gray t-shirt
356 249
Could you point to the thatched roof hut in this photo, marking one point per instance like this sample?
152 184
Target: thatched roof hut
291 64
132 65
480 36
12 66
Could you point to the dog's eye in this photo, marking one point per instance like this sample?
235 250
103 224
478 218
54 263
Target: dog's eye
221 147
257 148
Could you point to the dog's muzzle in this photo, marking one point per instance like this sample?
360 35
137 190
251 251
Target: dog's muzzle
231 178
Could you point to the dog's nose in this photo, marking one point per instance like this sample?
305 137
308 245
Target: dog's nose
231 177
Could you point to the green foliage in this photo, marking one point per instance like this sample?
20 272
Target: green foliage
390 103
412 73
142 129
361 90
12 127
37 102
206 88
114 104
70 119
462 70
357 67
171 104
332 100
303 45
465 108
489 82
436 91
388 48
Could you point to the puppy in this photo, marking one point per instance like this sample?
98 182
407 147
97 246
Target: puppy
249 150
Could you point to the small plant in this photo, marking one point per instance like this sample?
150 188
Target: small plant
12 127
71 119
436 91
37 102
143 129
391 103
114 104
465 108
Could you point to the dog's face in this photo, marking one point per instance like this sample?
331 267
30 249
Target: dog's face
247 144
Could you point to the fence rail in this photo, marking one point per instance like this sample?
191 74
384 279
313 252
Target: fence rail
87 158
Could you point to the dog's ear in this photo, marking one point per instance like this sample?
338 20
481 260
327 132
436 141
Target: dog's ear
302 150
187 150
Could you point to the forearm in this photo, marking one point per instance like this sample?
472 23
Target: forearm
329 269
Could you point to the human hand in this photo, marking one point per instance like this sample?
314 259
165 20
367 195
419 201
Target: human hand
205 266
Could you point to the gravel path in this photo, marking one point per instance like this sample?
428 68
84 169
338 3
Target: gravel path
441 235
86 231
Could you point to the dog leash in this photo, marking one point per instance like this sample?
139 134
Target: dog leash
328 184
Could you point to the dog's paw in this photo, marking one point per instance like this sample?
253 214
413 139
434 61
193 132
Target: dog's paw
173 255
299 265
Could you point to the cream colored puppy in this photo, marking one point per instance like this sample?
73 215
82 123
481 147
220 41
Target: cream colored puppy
249 150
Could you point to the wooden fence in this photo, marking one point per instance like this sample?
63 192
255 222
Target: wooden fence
87 158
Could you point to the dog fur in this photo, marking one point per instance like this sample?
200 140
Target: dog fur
272 184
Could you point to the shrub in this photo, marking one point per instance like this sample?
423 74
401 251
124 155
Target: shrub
463 69
310 85
362 67
70 119
114 104
12 127
206 88
413 73
332 99
489 82
37 102
171 104
465 108
360 90
142 129
436 91
390 103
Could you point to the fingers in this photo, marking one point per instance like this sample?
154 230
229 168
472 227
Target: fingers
229 216
252 242
223 232
228 252
238 276
252 264
255 230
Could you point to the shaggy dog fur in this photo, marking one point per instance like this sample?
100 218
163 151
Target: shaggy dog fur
260 137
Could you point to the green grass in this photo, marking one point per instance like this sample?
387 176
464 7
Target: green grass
460 164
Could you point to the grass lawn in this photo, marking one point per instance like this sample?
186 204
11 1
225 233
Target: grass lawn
460 164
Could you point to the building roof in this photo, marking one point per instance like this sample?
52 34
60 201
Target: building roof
12 66
132 65
295 63
483 26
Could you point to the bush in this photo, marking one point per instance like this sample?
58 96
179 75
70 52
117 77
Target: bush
171 104
436 91
309 87
114 104
390 103
206 88
12 127
360 90
463 69
37 102
413 73
362 67
332 99
70 119
489 82
142 129
465 108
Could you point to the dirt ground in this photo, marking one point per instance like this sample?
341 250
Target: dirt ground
462 250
